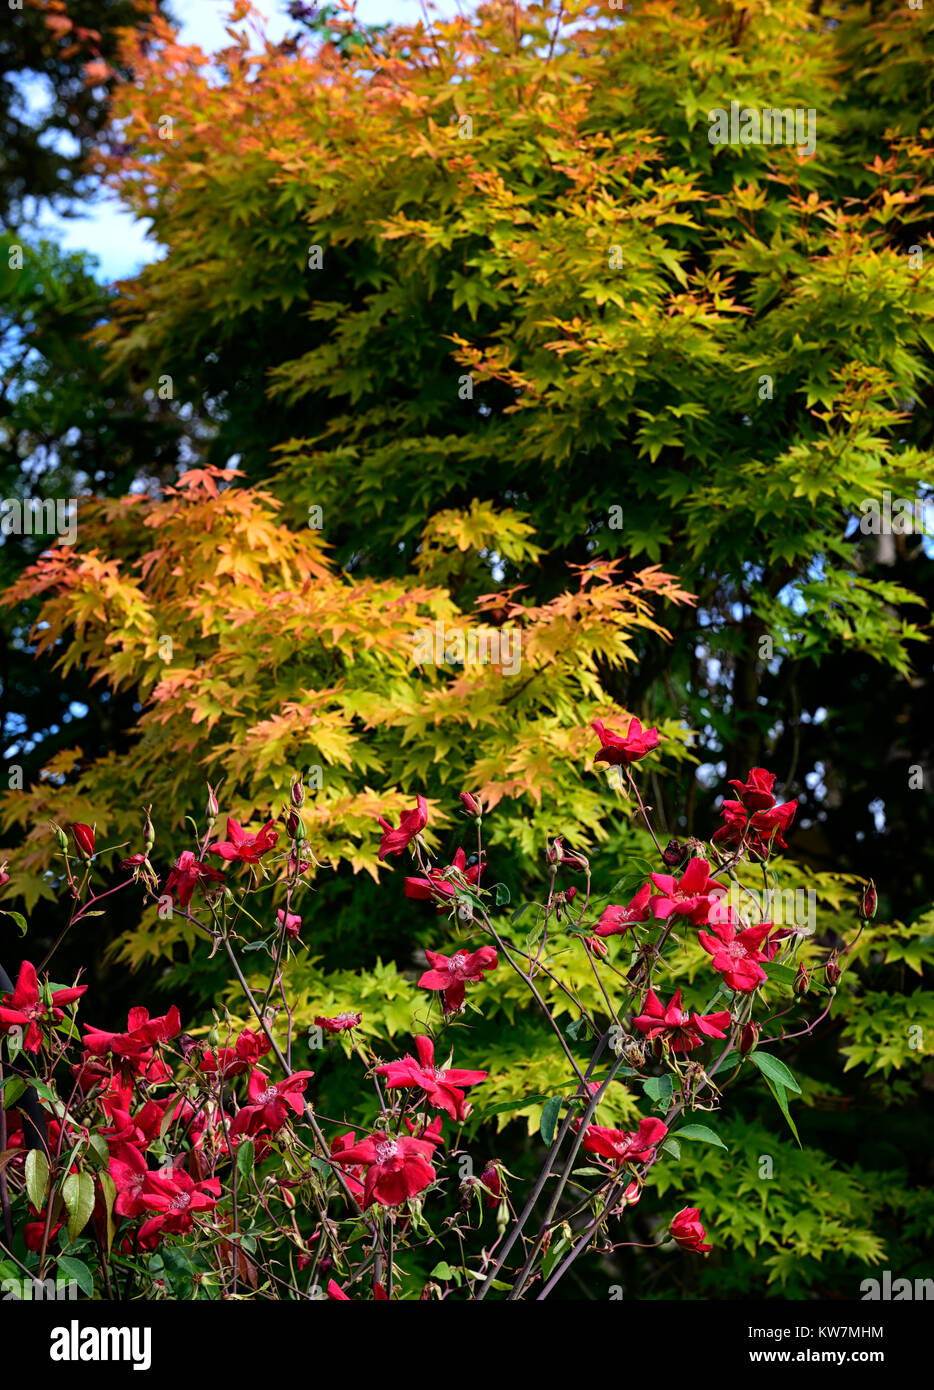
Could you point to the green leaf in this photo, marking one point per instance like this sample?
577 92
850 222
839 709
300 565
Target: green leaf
672 1146
41 1089
37 1177
246 1157
442 1271
19 919
774 1070
658 1089
702 1133
109 1189
99 1151
550 1115
504 1106
13 1088
78 1193
501 895
77 1270
778 1091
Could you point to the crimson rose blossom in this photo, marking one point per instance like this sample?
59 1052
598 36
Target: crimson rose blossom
620 751
449 975
694 895
756 792
142 1034
411 823
186 876
291 921
25 1008
243 846
625 1146
340 1023
736 955
682 1029
233 1061
441 1085
615 920
270 1102
437 883
84 839
397 1168
687 1230
176 1198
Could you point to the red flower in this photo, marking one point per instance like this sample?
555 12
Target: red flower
175 1197
270 1102
241 845
186 875
491 1179
771 825
84 839
736 955
438 883
620 751
450 975
763 830
683 1030
756 792
354 1175
339 1023
336 1293
441 1085
142 1034
130 1173
25 1008
559 853
34 1231
291 922
397 1168
411 824
616 920
625 1146
688 1232
472 805
694 895
235 1060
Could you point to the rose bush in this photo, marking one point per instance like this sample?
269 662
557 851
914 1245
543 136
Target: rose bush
174 1162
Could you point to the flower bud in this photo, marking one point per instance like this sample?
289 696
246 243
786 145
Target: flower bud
472 805
60 836
868 902
673 854
84 839
802 981
748 1038
297 793
149 835
295 826
555 852
832 971
211 808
